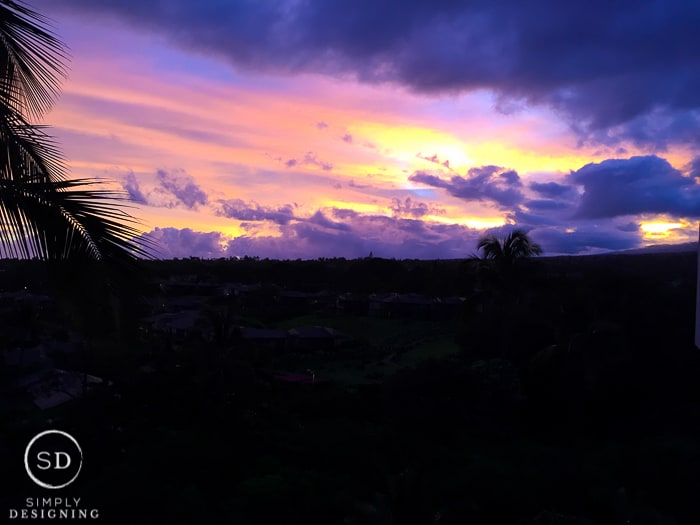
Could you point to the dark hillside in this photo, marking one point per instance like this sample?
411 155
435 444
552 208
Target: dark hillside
372 391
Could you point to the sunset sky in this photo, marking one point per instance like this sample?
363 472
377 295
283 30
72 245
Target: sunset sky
332 128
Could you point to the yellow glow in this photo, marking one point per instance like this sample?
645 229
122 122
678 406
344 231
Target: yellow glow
500 154
231 231
659 229
478 223
669 230
404 143
236 142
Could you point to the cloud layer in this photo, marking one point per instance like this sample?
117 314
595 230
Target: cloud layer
634 186
615 70
600 207
487 183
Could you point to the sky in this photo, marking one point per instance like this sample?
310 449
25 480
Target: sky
408 129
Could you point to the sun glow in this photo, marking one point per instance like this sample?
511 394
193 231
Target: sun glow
659 229
415 147
477 223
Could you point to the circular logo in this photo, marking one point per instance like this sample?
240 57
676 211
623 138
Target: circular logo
53 459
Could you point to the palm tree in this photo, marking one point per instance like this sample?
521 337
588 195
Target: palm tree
505 252
496 268
43 214
499 295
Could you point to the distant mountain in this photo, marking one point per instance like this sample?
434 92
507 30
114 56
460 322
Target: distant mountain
665 248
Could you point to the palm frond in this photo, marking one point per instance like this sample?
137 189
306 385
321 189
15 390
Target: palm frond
491 247
32 60
519 245
42 213
62 220
28 152
516 245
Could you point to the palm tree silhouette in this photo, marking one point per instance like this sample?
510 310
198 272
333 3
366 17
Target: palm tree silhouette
43 214
497 268
505 252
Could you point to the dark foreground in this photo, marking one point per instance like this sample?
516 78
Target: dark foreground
565 392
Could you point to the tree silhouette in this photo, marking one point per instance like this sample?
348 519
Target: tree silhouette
44 214
497 270
505 252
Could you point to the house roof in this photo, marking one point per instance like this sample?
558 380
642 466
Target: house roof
50 388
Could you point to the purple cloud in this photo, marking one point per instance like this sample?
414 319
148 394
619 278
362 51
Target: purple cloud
615 70
176 243
132 187
183 187
487 183
239 209
694 169
413 209
319 219
633 186
436 160
344 213
587 238
309 159
551 189
351 234
546 204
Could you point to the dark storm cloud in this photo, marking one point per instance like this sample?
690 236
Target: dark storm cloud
615 70
629 227
487 183
586 238
546 204
239 209
524 218
551 189
694 169
633 186
183 187
557 237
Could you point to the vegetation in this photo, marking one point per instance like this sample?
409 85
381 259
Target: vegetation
43 213
502 255
572 404
574 411
516 245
